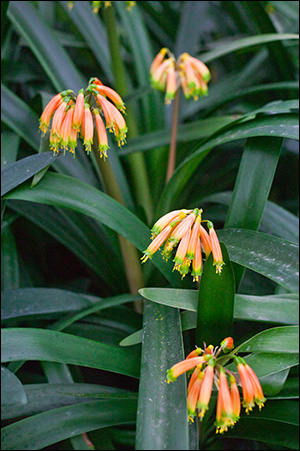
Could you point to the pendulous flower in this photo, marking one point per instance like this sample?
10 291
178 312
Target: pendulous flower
83 115
168 74
183 228
206 370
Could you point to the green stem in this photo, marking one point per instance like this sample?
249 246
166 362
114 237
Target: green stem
172 151
136 161
129 252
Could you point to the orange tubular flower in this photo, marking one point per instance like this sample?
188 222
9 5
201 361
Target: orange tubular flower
182 367
252 391
102 135
79 110
207 368
108 92
88 128
158 60
49 111
82 118
186 231
187 71
224 417
235 399
66 128
216 248
181 251
193 394
259 398
206 388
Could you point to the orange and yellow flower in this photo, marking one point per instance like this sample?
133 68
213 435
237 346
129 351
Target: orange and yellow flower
207 370
82 114
183 228
167 73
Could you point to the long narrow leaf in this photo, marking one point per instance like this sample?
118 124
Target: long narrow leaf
53 58
39 344
50 427
162 348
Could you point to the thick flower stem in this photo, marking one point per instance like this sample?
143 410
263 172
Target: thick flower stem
136 161
172 151
129 252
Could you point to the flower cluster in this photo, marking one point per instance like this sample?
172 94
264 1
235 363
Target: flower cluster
207 370
72 115
167 74
184 228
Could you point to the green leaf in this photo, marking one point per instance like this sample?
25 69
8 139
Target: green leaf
50 427
215 303
38 344
10 276
268 255
252 186
69 228
253 182
9 148
43 397
93 32
16 173
277 339
162 411
276 424
42 41
52 302
275 219
12 390
280 125
281 308
186 132
64 191
19 117
222 50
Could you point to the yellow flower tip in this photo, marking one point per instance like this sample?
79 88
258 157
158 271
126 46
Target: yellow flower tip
144 258
190 418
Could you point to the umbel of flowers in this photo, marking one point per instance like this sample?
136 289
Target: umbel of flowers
71 115
184 228
168 74
206 370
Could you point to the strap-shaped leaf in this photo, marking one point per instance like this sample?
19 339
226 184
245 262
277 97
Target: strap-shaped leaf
215 302
12 390
43 43
52 346
20 171
50 427
63 191
162 411
268 255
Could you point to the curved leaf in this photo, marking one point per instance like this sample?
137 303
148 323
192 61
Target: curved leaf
239 44
50 427
277 339
43 43
64 191
43 397
16 173
52 346
281 125
12 390
268 255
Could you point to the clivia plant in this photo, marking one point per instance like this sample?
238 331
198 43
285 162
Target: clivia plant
149 225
